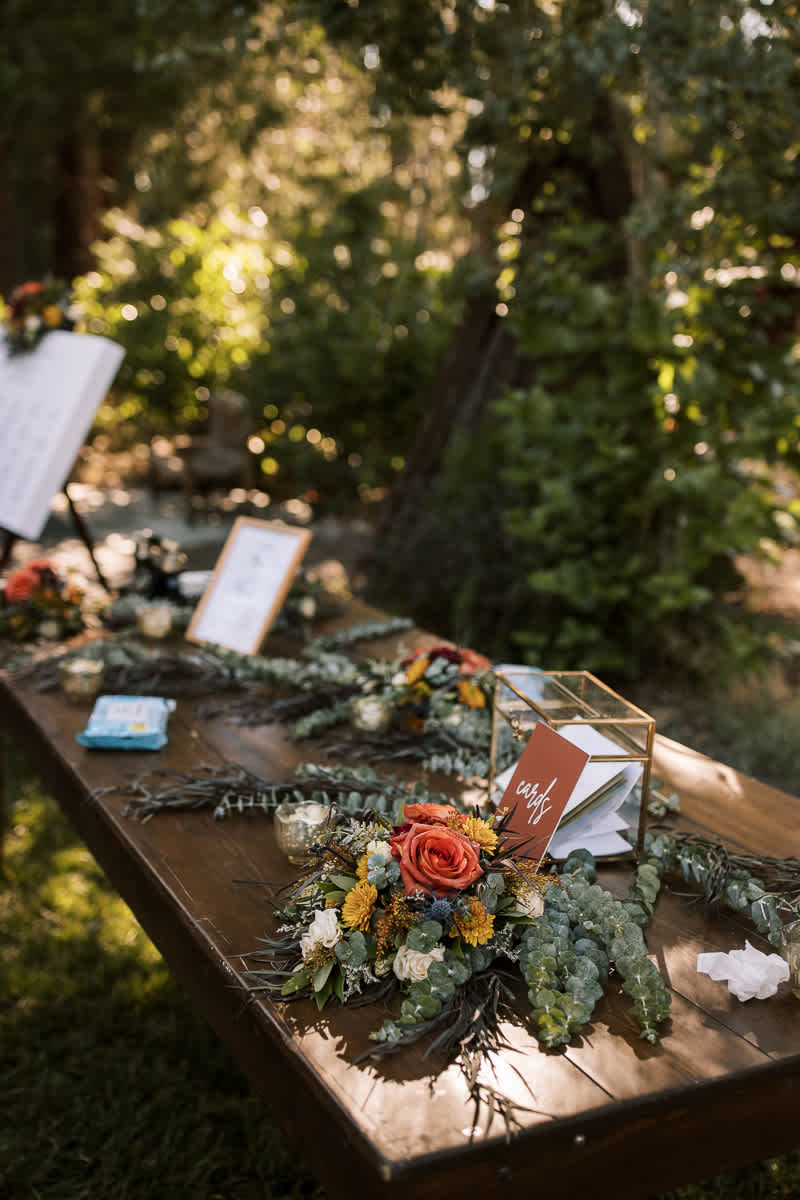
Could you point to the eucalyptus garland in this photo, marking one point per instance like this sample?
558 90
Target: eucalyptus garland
764 888
135 666
434 707
232 790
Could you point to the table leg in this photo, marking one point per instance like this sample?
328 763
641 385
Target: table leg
5 797
11 774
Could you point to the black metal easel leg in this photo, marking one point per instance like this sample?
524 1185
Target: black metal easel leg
8 546
85 536
10 540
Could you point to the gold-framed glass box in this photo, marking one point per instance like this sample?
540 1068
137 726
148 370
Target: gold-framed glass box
607 811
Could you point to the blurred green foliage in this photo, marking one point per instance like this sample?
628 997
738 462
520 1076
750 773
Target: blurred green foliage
300 272
649 285
613 182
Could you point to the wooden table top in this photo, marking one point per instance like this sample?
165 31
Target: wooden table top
718 1090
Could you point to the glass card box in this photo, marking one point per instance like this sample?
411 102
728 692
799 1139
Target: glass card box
606 813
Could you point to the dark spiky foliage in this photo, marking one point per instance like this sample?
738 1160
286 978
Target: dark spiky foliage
468 1031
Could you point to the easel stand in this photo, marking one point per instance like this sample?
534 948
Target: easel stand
82 530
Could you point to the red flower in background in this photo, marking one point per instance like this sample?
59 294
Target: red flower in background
20 295
467 661
22 583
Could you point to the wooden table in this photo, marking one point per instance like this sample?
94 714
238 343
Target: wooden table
612 1114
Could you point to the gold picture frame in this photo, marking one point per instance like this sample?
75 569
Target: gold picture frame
249 584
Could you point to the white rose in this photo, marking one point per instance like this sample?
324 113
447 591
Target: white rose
530 902
381 848
32 323
412 965
324 930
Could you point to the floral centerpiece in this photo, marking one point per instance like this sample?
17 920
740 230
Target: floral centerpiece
37 602
434 704
35 308
436 909
448 674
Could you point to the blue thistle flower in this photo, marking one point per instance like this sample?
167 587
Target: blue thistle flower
440 910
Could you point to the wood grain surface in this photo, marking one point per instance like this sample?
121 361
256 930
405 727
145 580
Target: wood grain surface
720 1089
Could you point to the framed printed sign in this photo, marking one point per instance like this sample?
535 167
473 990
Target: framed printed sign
253 574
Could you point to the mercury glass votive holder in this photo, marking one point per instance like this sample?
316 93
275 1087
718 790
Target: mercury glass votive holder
370 714
298 825
81 678
154 620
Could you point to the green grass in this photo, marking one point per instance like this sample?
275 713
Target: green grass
111 1086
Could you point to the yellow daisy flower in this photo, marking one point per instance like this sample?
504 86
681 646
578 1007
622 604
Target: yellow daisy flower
52 316
470 694
480 832
359 905
417 669
475 929
362 867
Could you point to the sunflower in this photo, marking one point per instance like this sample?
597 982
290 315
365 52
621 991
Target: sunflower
476 927
359 905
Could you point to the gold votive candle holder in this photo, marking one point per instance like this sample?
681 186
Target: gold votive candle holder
154 620
298 825
81 678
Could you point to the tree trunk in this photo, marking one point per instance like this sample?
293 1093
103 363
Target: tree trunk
76 204
11 264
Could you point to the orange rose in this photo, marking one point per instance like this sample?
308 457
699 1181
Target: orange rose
442 814
472 661
435 859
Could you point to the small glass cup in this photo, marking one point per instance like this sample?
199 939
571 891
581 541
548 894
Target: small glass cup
790 953
81 678
154 620
298 825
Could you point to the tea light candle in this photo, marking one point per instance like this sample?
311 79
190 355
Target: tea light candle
298 825
81 678
154 620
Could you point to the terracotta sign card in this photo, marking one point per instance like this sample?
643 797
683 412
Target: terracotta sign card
539 790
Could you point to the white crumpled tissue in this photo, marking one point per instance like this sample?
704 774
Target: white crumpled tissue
750 973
